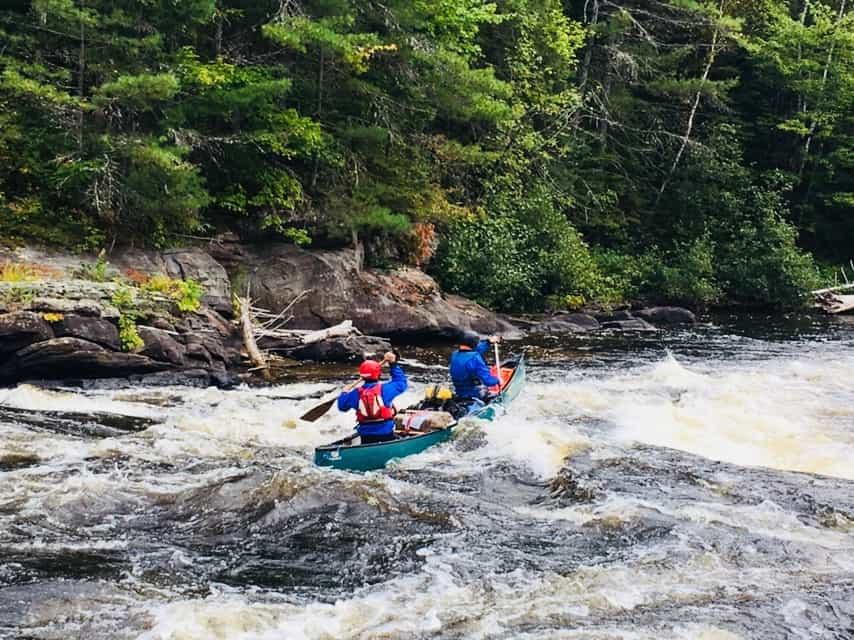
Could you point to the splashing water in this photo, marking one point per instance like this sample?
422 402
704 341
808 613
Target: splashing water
692 485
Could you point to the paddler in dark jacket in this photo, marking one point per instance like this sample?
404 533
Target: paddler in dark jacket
469 372
373 400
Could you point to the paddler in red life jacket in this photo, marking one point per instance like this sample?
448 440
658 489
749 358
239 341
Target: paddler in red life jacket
373 400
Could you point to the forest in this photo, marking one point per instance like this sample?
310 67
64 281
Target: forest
529 154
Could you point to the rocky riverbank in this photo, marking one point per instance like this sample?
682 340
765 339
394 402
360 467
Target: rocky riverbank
56 324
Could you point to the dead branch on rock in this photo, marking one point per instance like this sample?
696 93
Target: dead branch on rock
342 329
256 356
831 302
256 323
834 303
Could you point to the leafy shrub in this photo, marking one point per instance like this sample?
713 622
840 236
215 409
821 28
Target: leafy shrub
17 272
686 274
96 271
189 294
124 300
761 263
16 297
516 262
186 293
129 335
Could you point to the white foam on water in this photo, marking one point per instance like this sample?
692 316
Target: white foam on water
440 598
540 444
26 396
783 414
766 519
703 632
613 507
638 632
239 419
45 447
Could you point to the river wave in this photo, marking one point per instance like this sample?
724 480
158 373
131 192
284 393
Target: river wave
695 484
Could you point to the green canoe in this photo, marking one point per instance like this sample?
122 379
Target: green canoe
342 454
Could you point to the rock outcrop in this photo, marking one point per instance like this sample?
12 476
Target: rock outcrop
97 330
667 316
628 324
332 286
187 264
74 358
21 329
68 329
567 323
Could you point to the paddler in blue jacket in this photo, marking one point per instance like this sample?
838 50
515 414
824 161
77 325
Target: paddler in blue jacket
373 400
469 372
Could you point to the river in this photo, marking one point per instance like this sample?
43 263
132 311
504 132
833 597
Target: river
694 484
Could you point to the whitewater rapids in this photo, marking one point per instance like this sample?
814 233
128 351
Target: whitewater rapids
690 485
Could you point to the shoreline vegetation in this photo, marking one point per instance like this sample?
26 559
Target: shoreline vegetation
527 155
175 316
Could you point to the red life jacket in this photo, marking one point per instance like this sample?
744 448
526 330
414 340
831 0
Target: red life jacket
371 406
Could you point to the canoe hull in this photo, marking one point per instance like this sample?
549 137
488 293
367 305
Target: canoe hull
368 457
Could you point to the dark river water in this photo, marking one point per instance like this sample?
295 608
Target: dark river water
694 484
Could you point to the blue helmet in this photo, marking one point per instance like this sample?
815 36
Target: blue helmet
469 339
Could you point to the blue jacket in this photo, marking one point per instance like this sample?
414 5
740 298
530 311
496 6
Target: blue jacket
469 371
390 390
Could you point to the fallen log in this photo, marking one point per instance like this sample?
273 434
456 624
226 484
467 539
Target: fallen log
835 303
840 287
339 330
246 328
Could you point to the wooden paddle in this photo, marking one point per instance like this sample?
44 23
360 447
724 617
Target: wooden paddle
313 414
497 365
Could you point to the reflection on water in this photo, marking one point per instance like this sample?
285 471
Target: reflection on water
641 487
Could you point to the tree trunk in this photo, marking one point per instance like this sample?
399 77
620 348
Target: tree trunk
819 103
81 69
686 138
316 168
339 330
255 356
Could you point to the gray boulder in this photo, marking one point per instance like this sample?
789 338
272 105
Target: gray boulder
347 349
351 348
97 330
74 358
635 324
667 315
187 378
22 328
614 316
333 287
187 263
197 265
161 346
567 323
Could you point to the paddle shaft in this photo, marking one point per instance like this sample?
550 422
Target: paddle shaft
313 414
497 364
316 412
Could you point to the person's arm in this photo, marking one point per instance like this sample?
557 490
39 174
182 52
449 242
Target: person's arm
396 385
398 382
482 347
481 370
348 400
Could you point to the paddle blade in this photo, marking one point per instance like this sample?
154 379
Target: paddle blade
313 414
